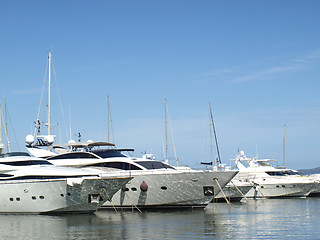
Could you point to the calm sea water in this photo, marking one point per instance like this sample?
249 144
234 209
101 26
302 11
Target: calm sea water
257 219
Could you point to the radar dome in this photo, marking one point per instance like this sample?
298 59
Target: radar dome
89 141
29 139
71 141
49 139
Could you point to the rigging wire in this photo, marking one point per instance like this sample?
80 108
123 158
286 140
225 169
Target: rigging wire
60 102
37 121
13 132
174 147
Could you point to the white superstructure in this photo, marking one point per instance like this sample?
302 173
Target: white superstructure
155 183
269 181
31 185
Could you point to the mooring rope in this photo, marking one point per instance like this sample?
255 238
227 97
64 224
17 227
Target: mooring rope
133 205
239 191
108 198
222 192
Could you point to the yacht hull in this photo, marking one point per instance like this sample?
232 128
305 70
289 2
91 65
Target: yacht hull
173 189
280 190
57 196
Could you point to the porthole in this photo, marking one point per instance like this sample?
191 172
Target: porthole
283 186
62 195
277 186
164 188
69 194
33 197
125 189
18 199
26 190
133 189
11 199
262 186
41 197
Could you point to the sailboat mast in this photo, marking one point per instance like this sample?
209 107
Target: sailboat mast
215 136
284 144
211 148
108 112
166 133
0 124
49 95
6 125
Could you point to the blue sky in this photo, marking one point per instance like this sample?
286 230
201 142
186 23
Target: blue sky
257 62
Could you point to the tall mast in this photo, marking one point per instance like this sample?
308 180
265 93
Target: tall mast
166 133
211 148
0 125
215 136
6 125
49 94
284 144
1 144
108 112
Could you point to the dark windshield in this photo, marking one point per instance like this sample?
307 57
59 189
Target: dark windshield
73 155
27 163
117 165
290 173
154 165
108 153
14 154
282 173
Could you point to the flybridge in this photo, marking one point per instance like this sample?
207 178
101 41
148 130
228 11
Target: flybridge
84 144
89 145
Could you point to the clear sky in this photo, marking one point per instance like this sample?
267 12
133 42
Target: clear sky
257 62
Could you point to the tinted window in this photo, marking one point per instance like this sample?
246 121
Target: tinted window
290 173
27 163
109 154
43 177
6 175
14 154
154 165
117 165
275 173
73 155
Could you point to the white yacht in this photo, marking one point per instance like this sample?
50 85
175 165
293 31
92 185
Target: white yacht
155 183
269 181
32 185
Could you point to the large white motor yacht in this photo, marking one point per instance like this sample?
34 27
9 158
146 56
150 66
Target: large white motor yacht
269 181
155 183
33 185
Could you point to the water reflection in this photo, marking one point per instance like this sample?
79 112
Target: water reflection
271 219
